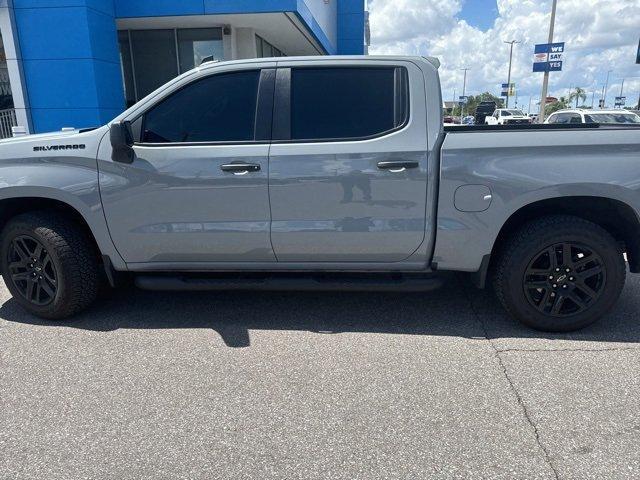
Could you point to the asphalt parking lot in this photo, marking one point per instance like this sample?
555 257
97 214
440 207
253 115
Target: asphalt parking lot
316 386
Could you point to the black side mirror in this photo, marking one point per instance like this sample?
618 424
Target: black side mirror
121 142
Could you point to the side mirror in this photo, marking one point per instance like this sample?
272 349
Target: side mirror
121 142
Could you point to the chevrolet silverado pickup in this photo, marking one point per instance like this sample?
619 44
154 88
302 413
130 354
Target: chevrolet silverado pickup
320 173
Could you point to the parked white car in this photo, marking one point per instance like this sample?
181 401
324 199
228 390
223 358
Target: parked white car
507 116
579 115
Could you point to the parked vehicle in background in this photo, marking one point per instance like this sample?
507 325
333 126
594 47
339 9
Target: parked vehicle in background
507 116
468 120
534 117
219 181
578 116
484 110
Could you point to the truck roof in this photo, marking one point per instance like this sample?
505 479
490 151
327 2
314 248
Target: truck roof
318 58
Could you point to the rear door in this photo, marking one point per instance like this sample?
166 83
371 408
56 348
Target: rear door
348 162
197 190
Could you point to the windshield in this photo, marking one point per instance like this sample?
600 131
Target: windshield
612 118
508 113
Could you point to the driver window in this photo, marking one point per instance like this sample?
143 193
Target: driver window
219 108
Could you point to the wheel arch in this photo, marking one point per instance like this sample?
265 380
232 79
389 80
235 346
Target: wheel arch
87 218
615 216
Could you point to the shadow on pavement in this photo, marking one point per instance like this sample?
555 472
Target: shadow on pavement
457 310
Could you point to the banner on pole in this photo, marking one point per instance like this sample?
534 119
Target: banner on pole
548 57
508 90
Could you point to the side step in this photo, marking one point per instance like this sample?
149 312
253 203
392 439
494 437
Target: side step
369 283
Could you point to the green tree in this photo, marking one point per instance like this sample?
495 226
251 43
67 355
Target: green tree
561 104
578 95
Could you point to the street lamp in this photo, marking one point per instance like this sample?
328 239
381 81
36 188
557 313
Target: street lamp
512 43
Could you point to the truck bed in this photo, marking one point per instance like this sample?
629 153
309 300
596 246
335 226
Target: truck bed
537 126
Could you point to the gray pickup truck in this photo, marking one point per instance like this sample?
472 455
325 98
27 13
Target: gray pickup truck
320 173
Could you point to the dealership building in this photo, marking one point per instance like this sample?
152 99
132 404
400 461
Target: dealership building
79 63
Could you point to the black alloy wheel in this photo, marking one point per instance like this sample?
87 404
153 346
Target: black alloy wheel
564 279
559 273
49 264
32 271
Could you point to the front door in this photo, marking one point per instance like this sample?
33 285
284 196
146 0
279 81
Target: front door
349 163
197 190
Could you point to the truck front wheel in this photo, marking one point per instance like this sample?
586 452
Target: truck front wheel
49 264
559 273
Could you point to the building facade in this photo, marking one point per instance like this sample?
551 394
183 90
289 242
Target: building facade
79 63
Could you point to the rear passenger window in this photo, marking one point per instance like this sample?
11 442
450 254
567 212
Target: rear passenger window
347 103
219 108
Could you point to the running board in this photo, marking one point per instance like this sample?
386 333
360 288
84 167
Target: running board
398 283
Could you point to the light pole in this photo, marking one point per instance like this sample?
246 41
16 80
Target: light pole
512 43
606 87
545 81
464 90
593 99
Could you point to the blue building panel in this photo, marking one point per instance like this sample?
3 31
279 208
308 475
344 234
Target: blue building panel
213 7
157 8
71 60
48 120
105 6
350 6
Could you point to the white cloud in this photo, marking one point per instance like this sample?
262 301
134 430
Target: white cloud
600 35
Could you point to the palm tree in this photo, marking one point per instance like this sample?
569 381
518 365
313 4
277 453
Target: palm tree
578 95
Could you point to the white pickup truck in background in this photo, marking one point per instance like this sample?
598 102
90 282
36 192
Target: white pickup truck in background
507 116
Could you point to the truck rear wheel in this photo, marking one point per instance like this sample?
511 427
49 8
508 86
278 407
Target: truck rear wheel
49 265
559 273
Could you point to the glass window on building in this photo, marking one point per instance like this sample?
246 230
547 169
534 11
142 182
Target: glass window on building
196 44
151 58
6 99
265 49
7 113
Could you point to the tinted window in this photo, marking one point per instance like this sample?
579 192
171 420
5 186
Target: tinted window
562 118
575 119
215 109
614 118
342 103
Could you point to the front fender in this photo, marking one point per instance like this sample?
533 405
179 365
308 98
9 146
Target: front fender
71 181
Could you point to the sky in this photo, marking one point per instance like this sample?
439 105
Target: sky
600 35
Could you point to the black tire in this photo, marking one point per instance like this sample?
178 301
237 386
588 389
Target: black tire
67 264
579 288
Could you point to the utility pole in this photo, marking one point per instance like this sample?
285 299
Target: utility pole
464 90
545 81
593 99
621 92
512 42
606 88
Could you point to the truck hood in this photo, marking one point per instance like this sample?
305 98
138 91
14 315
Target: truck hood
67 143
43 136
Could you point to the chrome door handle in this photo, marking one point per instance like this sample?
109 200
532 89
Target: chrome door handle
397 166
240 168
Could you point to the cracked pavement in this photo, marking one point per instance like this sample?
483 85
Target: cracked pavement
314 386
